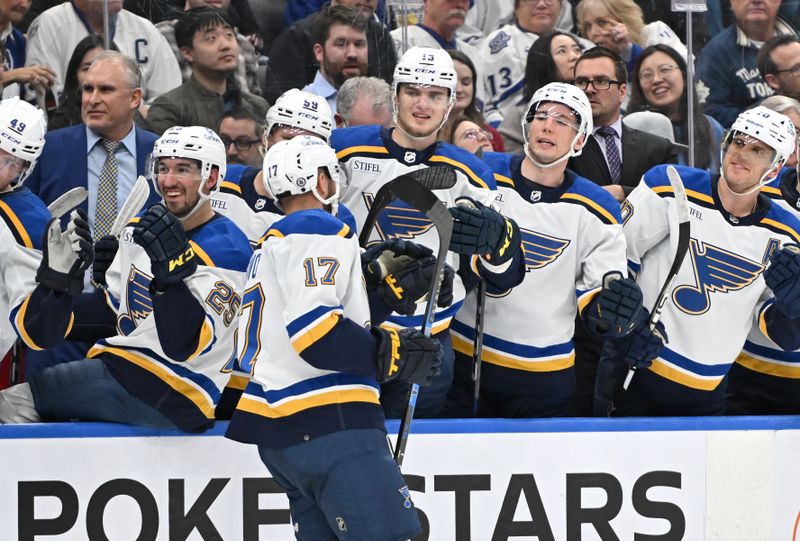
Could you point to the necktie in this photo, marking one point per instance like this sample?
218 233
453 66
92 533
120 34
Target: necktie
612 152
106 209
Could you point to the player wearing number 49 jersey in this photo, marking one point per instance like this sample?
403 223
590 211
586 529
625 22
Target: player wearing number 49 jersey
173 293
742 269
574 260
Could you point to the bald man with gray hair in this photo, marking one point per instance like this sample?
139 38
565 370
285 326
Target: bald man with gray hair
363 101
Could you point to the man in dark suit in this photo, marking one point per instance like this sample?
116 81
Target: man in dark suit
615 157
105 154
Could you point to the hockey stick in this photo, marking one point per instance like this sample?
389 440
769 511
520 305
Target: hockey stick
684 230
67 201
405 188
133 204
477 350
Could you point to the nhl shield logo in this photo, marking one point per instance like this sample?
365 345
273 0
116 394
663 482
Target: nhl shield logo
410 157
260 204
536 195
499 42
341 524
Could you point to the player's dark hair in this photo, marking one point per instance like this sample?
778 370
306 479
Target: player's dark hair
703 141
199 20
620 70
540 68
243 112
766 65
330 15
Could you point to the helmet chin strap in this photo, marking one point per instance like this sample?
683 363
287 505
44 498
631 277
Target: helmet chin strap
566 156
761 182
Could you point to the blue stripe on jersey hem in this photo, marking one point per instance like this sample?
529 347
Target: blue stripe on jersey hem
305 386
718 370
772 353
416 321
528 352
306 319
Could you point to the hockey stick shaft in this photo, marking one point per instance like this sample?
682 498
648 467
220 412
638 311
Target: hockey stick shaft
477 350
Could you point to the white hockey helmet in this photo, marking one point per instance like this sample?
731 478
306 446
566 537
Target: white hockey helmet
194 143
570 96
22 130
299 109
291 168
771 128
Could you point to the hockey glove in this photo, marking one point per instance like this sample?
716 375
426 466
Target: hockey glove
641 345
105 250
385 258
478 229
66 254
616 309
161 235
407 355
783 278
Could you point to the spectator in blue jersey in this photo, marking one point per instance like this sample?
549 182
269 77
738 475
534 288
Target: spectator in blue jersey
727 68
17 75
658 83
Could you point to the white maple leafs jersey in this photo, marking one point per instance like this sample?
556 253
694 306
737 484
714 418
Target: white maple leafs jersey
23 218
135 354
370 159
719 289
571 237
303 281
760 353
505 53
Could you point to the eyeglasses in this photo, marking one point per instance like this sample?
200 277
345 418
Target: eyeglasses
476 134
598 84
534 2
242 143
646 76
795 71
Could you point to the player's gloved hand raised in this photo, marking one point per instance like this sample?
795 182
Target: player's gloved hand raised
66 254
639 347
105 250
783 278
161 235
478 229
616 309
407 355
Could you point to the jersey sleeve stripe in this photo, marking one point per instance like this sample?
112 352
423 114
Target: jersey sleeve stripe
502 179
762 318
593 207
689 380
187 388
345 231
488 355
19 324
770 368
237 382
204 257
463 168
268 234
693 195
230 187
313 326
585 297
362 150
15 225
772 192
205 340
780 228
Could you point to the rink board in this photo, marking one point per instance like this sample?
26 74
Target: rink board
693 479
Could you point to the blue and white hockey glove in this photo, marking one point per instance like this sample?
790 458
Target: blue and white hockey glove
616 309
783 278
478 229
407 355
161 235
66 254
641 345
105 250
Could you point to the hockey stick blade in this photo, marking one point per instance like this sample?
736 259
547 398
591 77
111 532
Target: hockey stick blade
67 201
406 188
435 178
684 232
133 204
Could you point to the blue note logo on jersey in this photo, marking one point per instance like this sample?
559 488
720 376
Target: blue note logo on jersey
138 301
499 42
399 221
540 249
715 270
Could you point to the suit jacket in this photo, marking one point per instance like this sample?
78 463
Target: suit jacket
640 152
63 163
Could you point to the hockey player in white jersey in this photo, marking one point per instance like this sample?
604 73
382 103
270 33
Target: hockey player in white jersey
424 88
312 405
35 292
242 196
173 293
743 266
574 261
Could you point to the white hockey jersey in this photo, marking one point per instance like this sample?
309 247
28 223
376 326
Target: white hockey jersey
371 159
187 391
719 289
23 218
304 282
571 237
54 34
